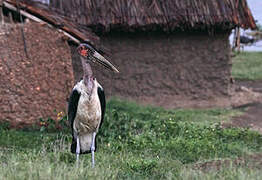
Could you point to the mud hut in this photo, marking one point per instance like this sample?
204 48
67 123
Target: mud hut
168 51
35 62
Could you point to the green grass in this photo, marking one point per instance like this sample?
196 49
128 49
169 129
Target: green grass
247 66
135 142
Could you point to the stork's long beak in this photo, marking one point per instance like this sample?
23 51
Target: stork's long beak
98 58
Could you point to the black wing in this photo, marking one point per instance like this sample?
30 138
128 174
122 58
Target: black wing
102 99
72 107
72 110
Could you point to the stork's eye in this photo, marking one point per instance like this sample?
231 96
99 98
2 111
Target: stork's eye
83 51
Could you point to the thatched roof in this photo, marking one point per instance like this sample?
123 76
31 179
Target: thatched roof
41 13
163 14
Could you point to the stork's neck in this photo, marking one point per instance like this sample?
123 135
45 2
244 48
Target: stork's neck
87 75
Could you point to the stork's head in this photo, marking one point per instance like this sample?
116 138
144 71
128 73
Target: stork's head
90 54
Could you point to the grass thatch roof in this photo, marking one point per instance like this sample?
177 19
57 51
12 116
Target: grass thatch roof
151 14
43 14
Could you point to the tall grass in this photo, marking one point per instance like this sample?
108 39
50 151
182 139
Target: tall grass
135 142
247 66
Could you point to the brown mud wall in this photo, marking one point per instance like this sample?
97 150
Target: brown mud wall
166 70
33 87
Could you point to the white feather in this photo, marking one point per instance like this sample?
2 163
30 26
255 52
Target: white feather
88 115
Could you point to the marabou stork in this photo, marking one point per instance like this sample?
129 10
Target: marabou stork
86 107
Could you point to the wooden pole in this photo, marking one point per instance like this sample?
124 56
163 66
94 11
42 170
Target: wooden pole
10 18
34 18
238 39
1 12
234 40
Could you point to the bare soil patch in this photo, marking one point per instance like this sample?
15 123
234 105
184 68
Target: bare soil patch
252 117
238 96
254 85
253 161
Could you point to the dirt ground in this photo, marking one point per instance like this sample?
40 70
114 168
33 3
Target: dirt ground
253 161
252 117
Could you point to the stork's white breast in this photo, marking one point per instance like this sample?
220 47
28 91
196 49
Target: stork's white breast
89 113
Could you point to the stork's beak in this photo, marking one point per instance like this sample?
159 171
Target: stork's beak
98 58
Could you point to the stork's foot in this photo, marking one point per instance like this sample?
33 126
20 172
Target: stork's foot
93 149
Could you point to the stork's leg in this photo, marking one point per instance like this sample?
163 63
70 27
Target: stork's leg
93 149
77 148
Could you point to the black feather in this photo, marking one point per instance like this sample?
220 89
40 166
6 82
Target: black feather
72 110
102 99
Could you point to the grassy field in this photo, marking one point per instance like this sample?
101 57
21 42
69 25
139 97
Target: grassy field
136 142
247 66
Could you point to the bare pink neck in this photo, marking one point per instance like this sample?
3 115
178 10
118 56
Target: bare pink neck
87 75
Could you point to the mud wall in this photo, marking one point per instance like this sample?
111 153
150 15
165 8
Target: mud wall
165 69
33 87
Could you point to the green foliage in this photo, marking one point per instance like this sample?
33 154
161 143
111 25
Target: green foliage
4 126
227 172
176 133
134 142
247 66
24 140
47 125
50 125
